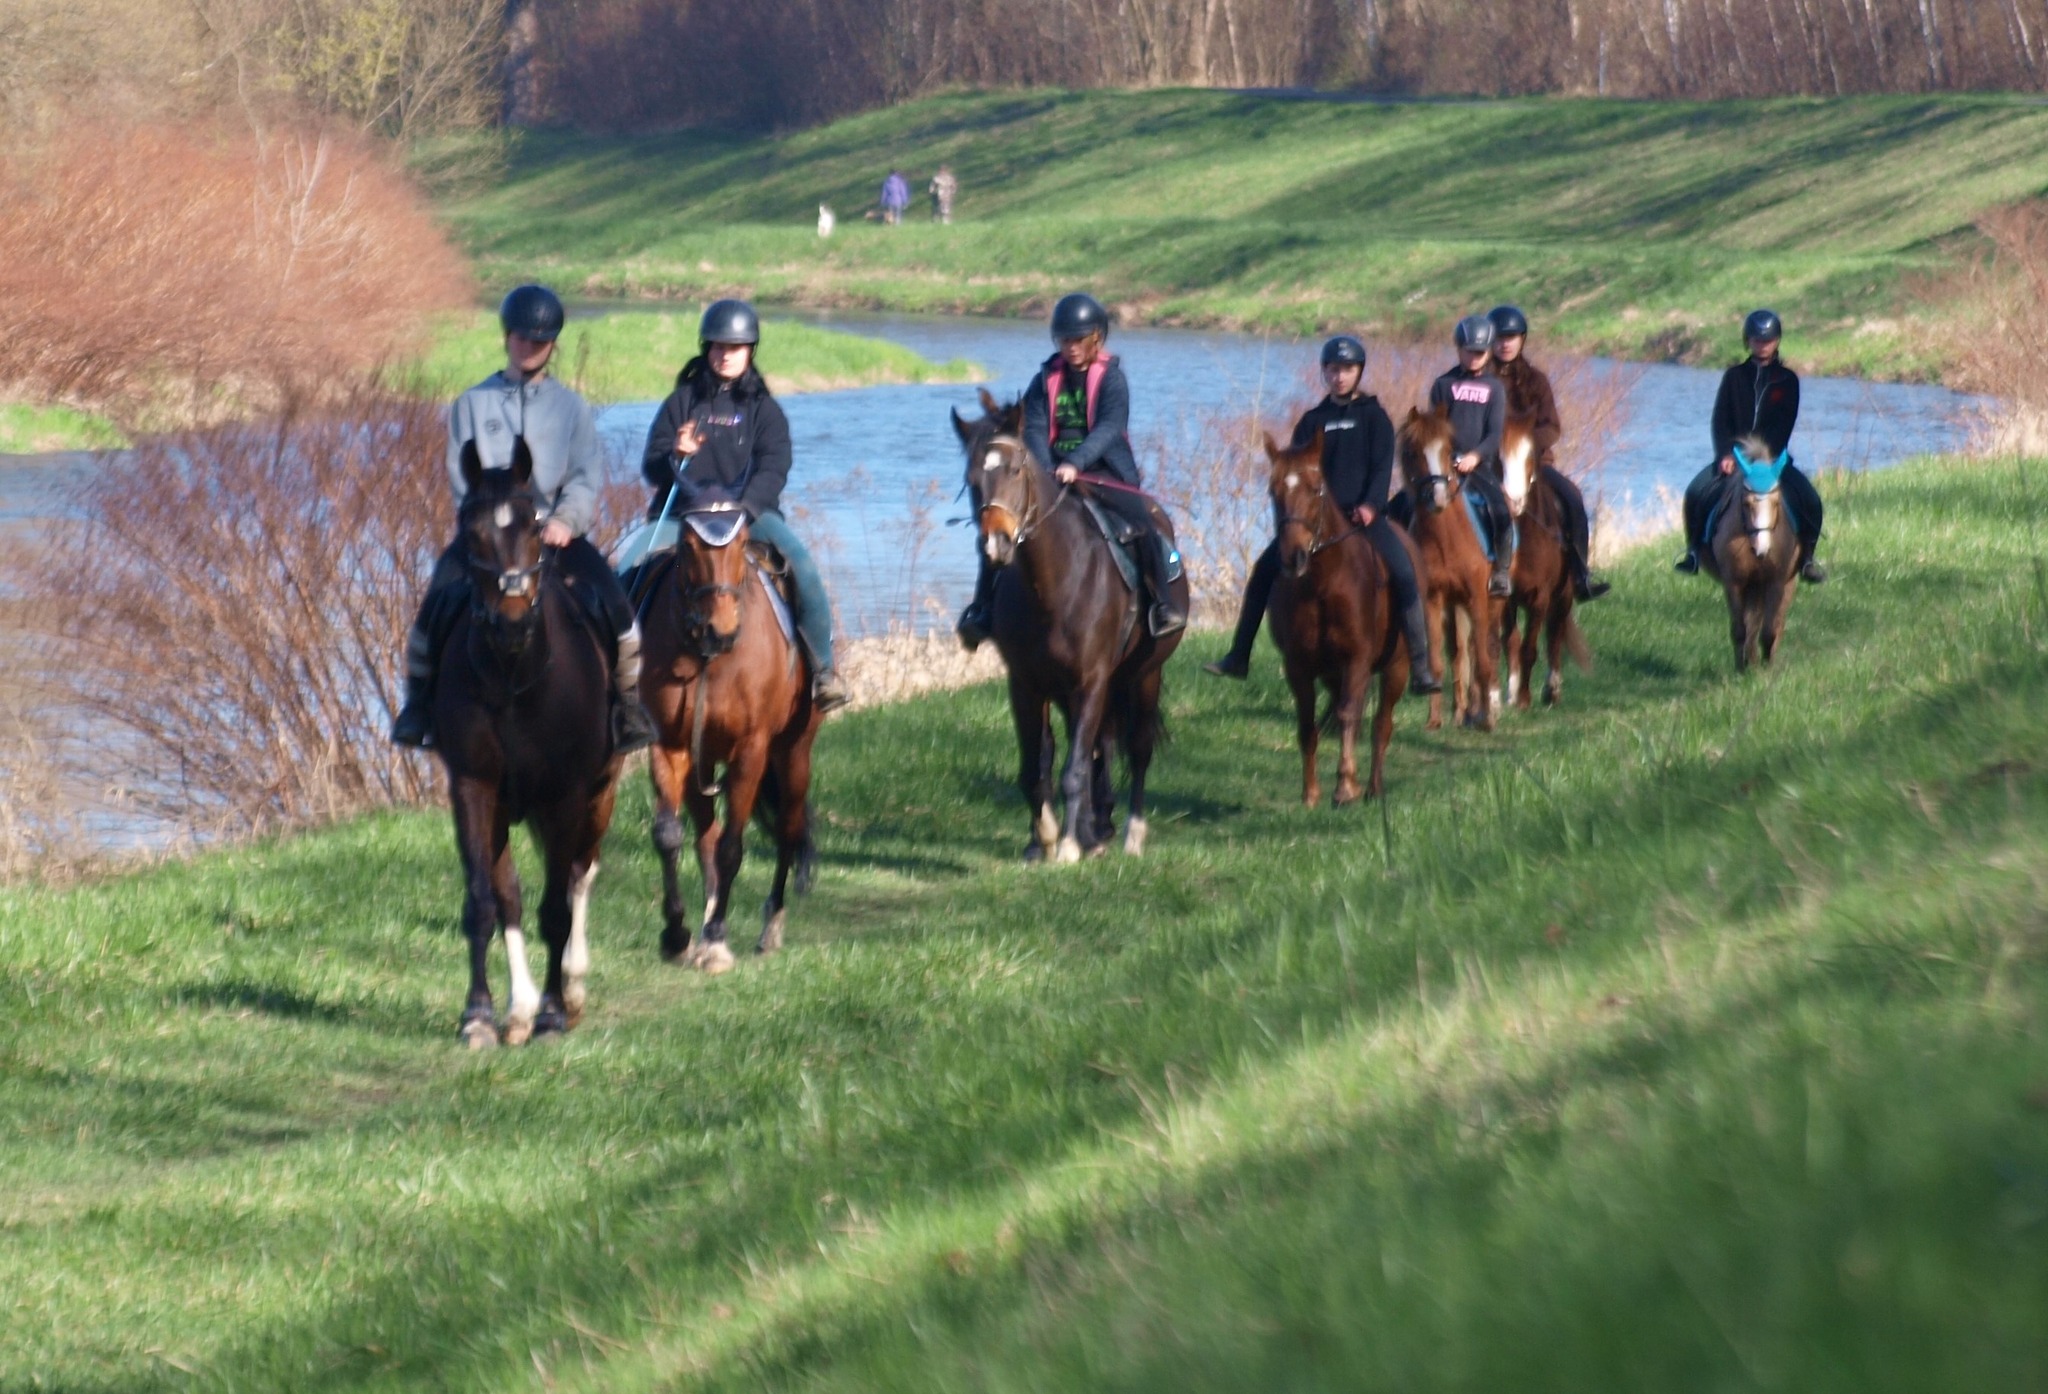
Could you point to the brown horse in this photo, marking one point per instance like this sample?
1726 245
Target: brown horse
1332 616
727 689
1541 577
1464 621
1754 554
522 721
1071 634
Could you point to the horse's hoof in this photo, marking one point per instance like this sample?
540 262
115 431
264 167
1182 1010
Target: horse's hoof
517 1032
1067 853
771 932
675 945
1034 853
477 1031
1094 850
714 958
1345 797
573 997
550 1020
1134 838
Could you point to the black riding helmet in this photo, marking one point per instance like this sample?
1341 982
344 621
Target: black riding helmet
729 322
1763 324
1343 349
532 312
1077 316
1475 332
1508 321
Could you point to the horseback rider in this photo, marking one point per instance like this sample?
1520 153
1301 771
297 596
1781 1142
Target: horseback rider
1358 468
568 471
1076 422
730 435
1759 396
1530 399
1477 405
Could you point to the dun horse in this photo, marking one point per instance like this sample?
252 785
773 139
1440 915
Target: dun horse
1753 551
727 689
521 719
1072 635
1332 616
1464 620
1543 596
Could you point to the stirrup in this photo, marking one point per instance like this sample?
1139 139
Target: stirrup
1420 679
1689 564
973 628
1590 587
828 691
1499 585
1164 620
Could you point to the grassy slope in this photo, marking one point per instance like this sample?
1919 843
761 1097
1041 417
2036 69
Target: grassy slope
1691 1037
1637 228
634 357
28 429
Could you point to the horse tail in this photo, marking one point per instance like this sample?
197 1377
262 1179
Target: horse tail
1575 644
768 813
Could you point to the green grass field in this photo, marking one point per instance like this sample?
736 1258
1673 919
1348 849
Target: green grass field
1691 1037
635 357
1641 229
27 429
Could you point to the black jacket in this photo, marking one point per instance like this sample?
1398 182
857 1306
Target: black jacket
1479 412
1756 400
1107 448
746 441
1358 449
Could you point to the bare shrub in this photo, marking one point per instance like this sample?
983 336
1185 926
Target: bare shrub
226 608
1998 331
170 275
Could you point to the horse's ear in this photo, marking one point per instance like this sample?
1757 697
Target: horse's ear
1272 447
1414 415
960 427
1013 418
988 401
472 465
522 462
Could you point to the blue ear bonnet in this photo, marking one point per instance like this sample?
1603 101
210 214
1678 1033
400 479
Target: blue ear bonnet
1761 476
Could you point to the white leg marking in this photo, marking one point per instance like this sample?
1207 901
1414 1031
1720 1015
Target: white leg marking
1048 829
715 958
525 1004
1514 681
1068 852
576 957
771 930
710 910
1134 838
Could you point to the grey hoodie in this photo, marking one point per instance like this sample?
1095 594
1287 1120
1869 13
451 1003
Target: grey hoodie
561 433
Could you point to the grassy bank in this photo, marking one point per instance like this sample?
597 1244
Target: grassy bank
1641 229
27 429
634 357
1690 1037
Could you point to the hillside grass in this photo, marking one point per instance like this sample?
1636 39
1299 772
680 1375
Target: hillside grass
634 357
1640 229
27 429
1691 1036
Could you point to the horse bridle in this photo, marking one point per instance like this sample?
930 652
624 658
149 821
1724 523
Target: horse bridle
1032 519
1316 541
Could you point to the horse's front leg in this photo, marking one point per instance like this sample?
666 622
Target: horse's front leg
742 787
1393 682
792 768
1350 708
1433 616
556 918
1536 623
1034 770
1139 741
670 769
1301 681
1084 724
476 819
1485 641
1777 605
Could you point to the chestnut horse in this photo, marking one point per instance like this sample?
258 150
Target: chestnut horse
1071 634
1464 621
522 721
1541 577
1754 552
726 688
1332 617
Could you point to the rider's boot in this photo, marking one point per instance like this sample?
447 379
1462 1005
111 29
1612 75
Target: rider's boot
1810 570
1165 617
414 723
828 690
1689 563
977 621
1498 585
1415 622
1586 583
632 728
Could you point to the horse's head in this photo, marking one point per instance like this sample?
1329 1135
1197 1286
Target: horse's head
1762 504
499 523
711 570
1001 477
1425 440
1300 501
1518 464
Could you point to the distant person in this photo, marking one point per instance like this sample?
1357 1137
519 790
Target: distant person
522 401
895 197
1358 469
722 429
1530 399
1477 403
944 189
1758 396
1077 415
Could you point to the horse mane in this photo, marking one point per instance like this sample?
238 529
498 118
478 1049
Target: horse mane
1755 447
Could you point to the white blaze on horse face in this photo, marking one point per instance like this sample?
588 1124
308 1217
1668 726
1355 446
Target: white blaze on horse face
1763 519
992 461
1292 481
503 515
1517 482
991 544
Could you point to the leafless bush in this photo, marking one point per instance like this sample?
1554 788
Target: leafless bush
172 274
1998 331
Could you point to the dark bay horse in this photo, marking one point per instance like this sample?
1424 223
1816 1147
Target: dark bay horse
1543 599
522 721
727 690
1072 636
1332 616
1464 621
1754 552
